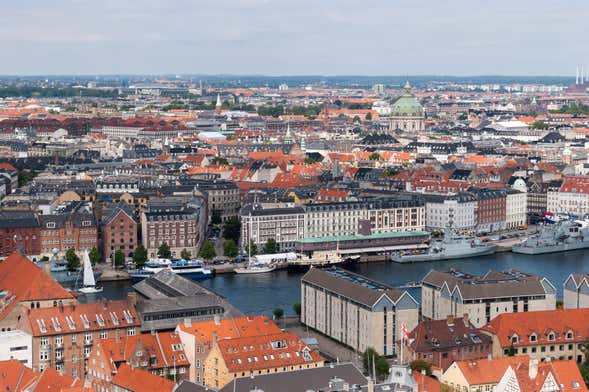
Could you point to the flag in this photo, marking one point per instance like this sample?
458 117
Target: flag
404 332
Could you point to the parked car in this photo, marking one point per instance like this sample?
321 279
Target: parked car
219 260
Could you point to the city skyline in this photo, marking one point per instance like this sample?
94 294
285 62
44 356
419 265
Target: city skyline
265 37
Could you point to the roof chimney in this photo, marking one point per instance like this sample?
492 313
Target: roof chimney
187 322
533 371
132 298
217 319
450 320
465 319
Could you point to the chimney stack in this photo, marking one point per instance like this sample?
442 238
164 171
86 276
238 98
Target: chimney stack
187 322
465 319
450 319
582 74
217 319
577 77
533 371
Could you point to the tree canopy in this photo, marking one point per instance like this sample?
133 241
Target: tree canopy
208 250
164 251
140 256
270 247
230 248
94 255
73 261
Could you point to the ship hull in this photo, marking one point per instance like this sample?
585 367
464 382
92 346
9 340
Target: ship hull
482 251
539 250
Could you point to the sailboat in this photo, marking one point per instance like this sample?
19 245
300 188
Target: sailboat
89 281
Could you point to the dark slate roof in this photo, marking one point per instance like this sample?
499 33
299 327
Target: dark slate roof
350 285
446 334
313 379
378 139
259 211
552 137
14 219
110 213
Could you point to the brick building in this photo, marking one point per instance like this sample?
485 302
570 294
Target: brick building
441 342
19 229
73 226
63 336
491 209
170 221
160 354
119 231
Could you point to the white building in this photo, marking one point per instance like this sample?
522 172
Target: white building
516 206
456 212
572 197
16 345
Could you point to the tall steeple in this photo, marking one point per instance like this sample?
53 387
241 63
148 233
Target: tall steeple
407 88
218 105
288 137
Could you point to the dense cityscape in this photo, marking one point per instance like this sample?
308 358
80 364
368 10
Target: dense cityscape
270 221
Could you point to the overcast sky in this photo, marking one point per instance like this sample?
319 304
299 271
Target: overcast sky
298 37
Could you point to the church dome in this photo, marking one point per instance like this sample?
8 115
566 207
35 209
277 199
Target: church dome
407 104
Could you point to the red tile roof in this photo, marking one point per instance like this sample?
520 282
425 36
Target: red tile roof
575 185
24 281
487 371
140 380
541 323
230 328
17 377
282 349
93 316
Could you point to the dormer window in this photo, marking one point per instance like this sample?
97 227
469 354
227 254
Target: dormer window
50 225
551 336
533 338
569 335
514 339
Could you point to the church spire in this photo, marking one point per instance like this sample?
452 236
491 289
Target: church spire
288 137
218 105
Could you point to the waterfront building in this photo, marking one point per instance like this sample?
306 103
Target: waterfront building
483 298
19 229
288 225
576 291
457 212
16 345
63 336
355 310
491 209
407 113
284 225
160 354
543 335
515 209
255 355
170 221
198 338
70 226
119 231
167 299
571 198
441 342
23 284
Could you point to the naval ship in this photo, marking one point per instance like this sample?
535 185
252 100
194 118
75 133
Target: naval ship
559 237
453 246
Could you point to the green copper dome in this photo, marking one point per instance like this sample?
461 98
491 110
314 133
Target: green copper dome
407 104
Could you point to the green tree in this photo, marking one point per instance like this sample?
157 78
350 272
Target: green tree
511 351
270 247
119 258
73 261
164 251
208 250
232 229
356 119
296 307
278 313
539 125
368 116
219 161
420 365
216 217
140 256
374 156
95 256
185 254
251 248
371 357
230 248
26 176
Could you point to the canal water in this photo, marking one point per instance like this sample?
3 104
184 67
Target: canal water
261 293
